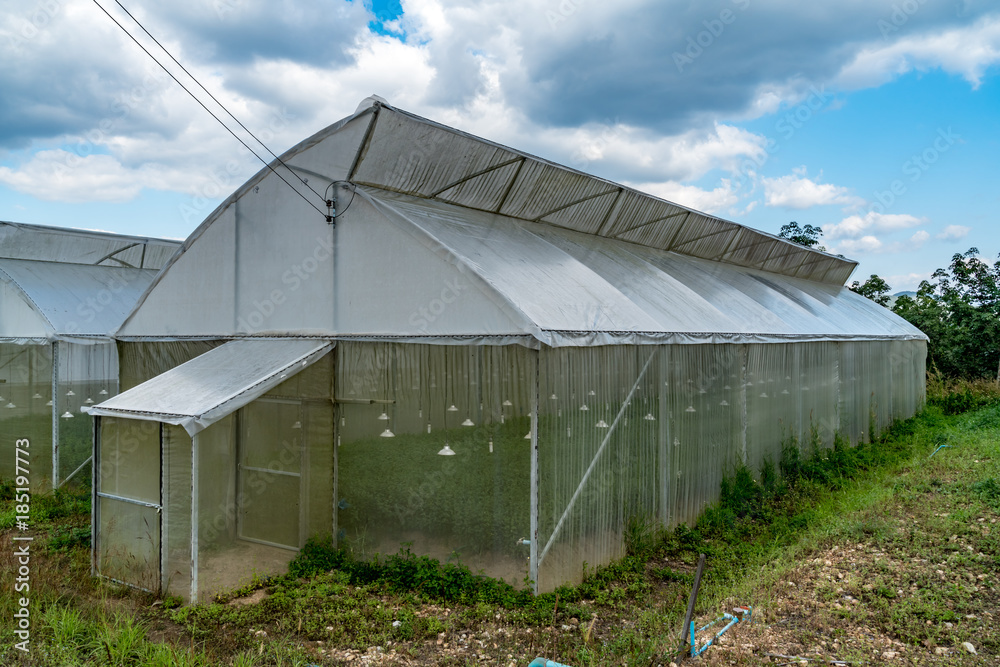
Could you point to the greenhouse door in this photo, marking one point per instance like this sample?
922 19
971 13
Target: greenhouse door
128 508
271 461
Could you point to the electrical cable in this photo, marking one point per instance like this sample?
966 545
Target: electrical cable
207 92
354 192
228 129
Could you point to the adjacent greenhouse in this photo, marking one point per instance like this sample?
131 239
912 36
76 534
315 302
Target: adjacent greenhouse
445 344
62 294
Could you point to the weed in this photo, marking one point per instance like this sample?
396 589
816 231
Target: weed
64 538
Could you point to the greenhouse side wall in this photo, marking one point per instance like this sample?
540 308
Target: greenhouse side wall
432 454
25 390
641 434
88 374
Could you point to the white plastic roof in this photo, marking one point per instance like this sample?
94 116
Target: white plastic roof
405 153
80 246
44 301
569 288
202 391
408 260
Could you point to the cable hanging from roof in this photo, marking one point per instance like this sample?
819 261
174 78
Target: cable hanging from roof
326 215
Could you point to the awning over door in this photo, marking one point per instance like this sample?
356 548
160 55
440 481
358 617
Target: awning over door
202 391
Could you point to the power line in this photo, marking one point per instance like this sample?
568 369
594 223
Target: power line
219 120
193 78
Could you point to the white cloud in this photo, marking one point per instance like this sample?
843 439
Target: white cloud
708 201
856 226
915 242
954 233
58 175
864 244
797 191
871 244
906 281
967 51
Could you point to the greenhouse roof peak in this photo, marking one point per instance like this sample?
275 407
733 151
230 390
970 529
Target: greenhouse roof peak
406 153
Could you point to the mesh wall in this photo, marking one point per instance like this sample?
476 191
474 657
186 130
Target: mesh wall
696 411
265 482
598 454
401 409
424 448
128 538
25 388
88 374
702 394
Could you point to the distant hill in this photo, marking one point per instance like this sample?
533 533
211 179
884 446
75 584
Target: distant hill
892 299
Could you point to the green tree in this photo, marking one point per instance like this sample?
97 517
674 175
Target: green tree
959 310
874 288
808 236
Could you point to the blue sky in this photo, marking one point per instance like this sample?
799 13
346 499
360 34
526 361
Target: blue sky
876 120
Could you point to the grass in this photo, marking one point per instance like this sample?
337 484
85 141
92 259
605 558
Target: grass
848 553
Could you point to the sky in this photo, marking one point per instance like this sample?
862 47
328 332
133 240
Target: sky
877 120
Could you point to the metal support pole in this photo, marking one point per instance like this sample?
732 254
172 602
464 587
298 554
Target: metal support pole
533 548
55 415
194 519
95 501
597 457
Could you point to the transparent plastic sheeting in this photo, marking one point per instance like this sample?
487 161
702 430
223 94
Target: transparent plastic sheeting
432 453
86 374
264 484
427 448
128 503
646 433
70 301
25 390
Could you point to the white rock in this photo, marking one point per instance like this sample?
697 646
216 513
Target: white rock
940 650
969 647
888 655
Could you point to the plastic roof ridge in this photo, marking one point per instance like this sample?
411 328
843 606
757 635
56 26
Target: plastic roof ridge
613 184
90 232
807 337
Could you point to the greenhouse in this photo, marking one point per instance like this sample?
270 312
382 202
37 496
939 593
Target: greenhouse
436 343
62 294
